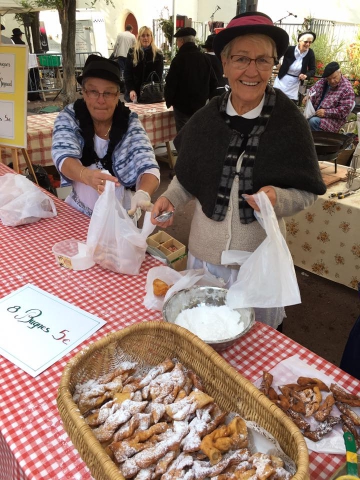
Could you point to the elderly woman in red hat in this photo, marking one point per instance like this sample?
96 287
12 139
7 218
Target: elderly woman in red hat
297 65
97 134
250 139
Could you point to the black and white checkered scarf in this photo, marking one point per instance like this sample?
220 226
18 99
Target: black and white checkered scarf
238 143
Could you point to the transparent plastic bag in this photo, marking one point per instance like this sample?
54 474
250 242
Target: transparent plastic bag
113 239
267 278
178 280
22 202
309 110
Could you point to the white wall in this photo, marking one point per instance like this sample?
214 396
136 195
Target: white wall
347 11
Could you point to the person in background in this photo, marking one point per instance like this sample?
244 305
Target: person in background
141 61
16 36
99 133
5 40
333 99
124 41
250 139
297 65
216 64
190 81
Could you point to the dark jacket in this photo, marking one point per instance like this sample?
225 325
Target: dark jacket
136 75
218 70
308 63
17 40
190 80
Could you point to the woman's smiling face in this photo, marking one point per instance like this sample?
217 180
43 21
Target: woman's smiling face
248 85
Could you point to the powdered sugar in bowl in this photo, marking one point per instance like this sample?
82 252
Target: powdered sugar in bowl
203 311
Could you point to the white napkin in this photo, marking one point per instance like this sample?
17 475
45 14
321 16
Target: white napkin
288 371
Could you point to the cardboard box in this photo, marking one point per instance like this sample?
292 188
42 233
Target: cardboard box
170 248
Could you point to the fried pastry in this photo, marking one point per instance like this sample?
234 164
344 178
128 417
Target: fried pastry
345 410
343 396
323 429
325 408
160 288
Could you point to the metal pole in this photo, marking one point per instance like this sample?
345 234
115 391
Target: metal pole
173 42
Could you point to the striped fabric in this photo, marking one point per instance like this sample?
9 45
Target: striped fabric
239 143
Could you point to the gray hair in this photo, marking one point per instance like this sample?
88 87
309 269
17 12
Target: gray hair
188 39
256 36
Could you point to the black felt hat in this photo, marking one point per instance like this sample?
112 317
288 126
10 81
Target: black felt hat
330 69
308 32
100 67
17 31
251 23
185 32
209 41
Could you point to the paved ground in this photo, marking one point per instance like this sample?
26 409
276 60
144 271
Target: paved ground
328 310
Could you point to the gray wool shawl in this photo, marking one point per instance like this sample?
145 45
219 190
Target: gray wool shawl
285 156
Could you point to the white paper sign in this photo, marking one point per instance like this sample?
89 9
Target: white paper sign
37 328
7 73
6 119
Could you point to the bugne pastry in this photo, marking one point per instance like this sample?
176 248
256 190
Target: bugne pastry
165 426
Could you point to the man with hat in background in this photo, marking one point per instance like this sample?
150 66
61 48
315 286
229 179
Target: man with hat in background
216 64
191 80
5 40
333 99
16 36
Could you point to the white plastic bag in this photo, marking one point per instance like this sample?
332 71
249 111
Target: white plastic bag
113 239
22 202
267 278
178 280
309 110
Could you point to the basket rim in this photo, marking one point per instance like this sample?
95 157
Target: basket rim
64 395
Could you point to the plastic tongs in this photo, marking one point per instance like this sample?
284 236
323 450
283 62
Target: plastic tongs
351 458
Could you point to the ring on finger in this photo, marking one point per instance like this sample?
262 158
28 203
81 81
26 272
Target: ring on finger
102 181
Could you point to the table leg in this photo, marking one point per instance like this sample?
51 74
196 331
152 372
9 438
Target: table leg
29 164
171 157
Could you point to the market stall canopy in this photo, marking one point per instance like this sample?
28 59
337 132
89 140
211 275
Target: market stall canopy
14 6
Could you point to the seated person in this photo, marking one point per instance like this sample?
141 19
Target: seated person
333 99
99 133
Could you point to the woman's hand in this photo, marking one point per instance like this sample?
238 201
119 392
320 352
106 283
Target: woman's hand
162 205
96 179
270 192
302 76
133 95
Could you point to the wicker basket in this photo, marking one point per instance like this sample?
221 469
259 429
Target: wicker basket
150 343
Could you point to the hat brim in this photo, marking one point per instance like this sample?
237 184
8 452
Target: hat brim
280 37
307 33
99 74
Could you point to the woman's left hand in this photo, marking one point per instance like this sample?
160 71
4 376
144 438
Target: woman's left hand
270 192
302 76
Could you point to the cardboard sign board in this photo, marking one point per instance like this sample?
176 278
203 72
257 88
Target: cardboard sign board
13 95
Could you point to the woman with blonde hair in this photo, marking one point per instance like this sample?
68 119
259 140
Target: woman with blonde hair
141 61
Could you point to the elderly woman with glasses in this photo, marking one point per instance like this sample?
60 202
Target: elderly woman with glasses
98 133
250 139
297 65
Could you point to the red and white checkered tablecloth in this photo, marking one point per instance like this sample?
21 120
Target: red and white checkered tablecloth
157 120
33 443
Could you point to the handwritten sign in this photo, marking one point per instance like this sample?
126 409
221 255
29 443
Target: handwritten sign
6 119
7 73
37 328
13 95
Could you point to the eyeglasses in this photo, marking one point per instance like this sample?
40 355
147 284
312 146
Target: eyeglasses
106 95
262 63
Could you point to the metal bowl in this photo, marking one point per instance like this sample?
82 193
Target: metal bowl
206 296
